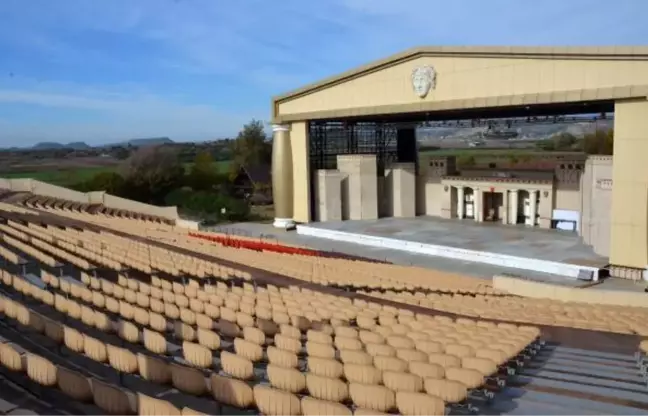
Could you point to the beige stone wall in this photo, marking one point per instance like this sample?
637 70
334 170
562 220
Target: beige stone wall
567 199
541 290
52 191
629 219
469 77
400 190
596 203
301 171
328 195
359 187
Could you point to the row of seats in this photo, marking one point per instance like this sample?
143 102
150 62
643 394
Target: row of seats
286 292
89 346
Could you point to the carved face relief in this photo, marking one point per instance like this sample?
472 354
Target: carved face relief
423 80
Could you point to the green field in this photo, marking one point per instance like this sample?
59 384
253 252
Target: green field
72 176
61 177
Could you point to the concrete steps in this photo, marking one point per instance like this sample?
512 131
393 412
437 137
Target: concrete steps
572 381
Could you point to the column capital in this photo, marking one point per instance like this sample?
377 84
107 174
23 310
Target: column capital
513 190
280 127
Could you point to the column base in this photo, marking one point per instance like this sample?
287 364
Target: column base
284 223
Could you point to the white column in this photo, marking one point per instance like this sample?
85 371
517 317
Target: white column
461 202
533 207
477 205
505 207
514 206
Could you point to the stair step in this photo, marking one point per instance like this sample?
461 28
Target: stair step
591 353
586 360
580 379
593 370
573 403
574 386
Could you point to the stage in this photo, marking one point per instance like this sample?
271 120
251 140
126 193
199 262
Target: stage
551 252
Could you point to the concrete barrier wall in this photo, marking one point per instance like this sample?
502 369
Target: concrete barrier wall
100 197
496 259
187 224
542 290
53 191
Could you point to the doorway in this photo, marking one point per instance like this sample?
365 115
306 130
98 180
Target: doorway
493 202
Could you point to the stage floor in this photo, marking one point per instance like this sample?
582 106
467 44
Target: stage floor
539 244
520 241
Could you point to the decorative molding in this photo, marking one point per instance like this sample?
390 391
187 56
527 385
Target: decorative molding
423 80
496 179
280 127
604 184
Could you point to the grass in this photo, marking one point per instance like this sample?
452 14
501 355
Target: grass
72 176
60 177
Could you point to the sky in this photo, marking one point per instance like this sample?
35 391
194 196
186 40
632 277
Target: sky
111 70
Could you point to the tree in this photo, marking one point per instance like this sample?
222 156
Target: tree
600 142
202 176
151 172
111 182
466 160
251 147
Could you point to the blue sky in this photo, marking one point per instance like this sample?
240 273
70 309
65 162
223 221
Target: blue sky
104 70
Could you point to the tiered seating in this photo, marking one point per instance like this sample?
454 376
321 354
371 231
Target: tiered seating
277 350
389 354
421 287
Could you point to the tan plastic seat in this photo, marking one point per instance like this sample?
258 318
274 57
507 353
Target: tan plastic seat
390 364
237 366
95 349
227 328
150 406
316 407
153 369
444 360
364 374
343 343
470 378
197 355
401 381
187 379
184 331
111 399
74 384
287 379
369 337
41 370
232 392
411 355
154 342
372 397
325 367
247 349
315 349
276 402
128 331
426 370
415 404
122 359
355 357
287 343
282 358
73 339
325 388
254 335
447 390
290 331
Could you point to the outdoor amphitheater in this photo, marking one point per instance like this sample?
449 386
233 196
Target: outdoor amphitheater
112 314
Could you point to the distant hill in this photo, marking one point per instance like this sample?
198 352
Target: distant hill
153 141
54 146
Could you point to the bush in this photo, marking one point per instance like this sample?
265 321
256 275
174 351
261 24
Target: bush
208 206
